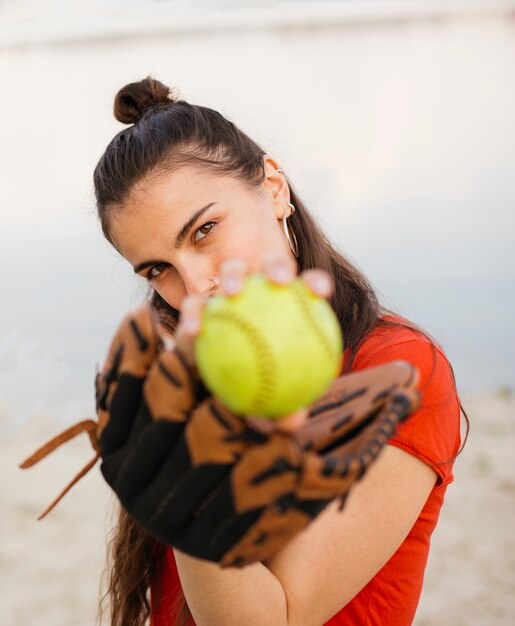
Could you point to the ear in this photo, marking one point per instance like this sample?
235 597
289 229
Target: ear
276 186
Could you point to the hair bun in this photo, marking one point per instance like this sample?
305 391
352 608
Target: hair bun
135 98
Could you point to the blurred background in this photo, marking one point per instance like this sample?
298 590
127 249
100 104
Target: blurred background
395 122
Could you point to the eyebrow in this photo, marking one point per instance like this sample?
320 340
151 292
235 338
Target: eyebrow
180 236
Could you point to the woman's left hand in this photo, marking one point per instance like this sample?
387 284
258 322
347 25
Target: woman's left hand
278 269
204 480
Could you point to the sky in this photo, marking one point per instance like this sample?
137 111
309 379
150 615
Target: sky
400 139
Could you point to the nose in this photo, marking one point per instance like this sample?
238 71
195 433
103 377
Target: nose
202 285
194 276
203 293
213 286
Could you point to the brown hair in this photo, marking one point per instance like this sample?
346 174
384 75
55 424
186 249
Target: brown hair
166 133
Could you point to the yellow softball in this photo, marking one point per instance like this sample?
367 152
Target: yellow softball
270 349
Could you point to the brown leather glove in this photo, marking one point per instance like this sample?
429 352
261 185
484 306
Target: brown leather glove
201 478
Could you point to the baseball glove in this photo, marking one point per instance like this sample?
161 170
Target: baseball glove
200 477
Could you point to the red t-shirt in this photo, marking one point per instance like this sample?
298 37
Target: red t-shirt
432 434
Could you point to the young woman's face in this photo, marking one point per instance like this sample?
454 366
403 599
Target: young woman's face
176 230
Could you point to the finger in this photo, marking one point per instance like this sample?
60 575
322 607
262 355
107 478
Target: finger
319 281
232 273
294 421
189 326
279 268
261 424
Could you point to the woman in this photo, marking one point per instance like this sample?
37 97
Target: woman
193 204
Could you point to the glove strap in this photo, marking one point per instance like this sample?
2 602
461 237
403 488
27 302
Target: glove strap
89 426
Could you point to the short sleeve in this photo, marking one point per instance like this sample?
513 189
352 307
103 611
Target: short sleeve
432 433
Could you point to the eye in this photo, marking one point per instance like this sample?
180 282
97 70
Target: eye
199 230
156 270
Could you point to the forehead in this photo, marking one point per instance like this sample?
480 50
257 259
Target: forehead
182 190
159 206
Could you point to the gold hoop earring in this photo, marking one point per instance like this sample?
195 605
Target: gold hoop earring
292 240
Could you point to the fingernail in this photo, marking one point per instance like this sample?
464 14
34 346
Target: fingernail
191 325
282 274
232 284
321 284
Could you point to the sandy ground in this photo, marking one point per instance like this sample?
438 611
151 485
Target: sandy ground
50 570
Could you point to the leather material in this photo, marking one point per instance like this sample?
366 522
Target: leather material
200 477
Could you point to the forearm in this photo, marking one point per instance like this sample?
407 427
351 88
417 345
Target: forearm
217 596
